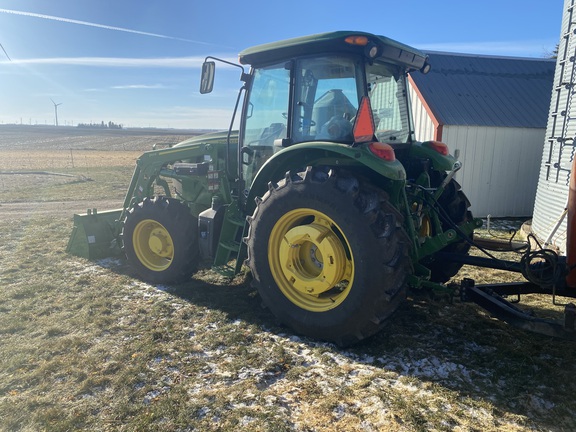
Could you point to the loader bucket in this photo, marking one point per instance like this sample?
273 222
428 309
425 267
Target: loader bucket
94 234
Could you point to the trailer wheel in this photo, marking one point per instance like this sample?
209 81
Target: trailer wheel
328 255
160 240
456 206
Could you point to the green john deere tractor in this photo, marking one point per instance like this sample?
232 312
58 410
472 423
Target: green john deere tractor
323 193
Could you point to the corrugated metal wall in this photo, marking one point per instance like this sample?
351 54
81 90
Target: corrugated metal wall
552 193
499 169
423 124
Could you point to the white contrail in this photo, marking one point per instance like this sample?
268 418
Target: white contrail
89 24
165 62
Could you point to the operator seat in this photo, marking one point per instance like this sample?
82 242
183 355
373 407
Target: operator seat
331 114
263 148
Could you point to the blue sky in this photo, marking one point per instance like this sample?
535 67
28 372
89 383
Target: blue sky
137 62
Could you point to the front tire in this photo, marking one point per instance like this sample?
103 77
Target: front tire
160 240
328 255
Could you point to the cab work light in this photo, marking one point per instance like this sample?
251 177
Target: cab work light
357 40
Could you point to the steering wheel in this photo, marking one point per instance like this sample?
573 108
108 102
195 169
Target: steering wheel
311 122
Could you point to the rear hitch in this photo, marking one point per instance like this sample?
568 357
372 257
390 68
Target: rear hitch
491 298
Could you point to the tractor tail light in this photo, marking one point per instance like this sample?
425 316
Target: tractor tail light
383 151
438 146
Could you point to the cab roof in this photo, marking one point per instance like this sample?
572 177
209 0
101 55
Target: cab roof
333 42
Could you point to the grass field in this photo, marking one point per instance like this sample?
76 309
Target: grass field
87 346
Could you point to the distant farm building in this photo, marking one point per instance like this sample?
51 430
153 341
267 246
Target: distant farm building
494 110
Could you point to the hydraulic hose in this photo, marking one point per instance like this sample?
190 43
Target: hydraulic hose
541 267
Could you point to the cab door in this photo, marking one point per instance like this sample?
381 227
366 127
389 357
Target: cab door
266 113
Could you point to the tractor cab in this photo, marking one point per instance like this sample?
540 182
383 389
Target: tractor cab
316 99
309 89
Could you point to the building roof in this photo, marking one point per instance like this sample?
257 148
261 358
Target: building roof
474 90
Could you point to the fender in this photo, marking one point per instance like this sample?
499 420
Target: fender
431 150
298 156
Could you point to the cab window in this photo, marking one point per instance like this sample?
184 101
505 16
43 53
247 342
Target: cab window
267 109
389 103
266 117
326 99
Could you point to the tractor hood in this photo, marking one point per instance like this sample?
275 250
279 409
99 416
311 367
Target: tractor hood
210 138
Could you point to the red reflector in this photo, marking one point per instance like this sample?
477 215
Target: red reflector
438 146
364 124
383 151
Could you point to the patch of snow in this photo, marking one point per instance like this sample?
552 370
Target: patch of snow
539 404
246 420
109 262
367 359
429 367
151 395
250 372
203 412
339 411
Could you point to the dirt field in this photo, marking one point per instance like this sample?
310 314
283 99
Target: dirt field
34 148
66 138
29 160
36 157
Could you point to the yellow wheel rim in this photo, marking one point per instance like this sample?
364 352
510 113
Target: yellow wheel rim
311 260
153 245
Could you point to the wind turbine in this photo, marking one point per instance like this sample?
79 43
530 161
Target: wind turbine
56 110
7 56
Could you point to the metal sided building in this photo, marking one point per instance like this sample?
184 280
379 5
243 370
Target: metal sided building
494 111
549 223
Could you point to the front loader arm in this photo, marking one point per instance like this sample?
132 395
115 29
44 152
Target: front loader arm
152 166
95 234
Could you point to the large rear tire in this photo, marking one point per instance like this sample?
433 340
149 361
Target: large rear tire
328 255
457 209
160 240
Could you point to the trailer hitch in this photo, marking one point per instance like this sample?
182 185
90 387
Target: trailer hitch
491 298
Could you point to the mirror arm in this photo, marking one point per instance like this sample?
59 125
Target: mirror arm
228 63
246 78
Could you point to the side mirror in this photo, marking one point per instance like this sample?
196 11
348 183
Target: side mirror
207 79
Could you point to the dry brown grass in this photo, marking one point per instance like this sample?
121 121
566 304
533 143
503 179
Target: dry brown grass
86 346
35 158
27 160
66 138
